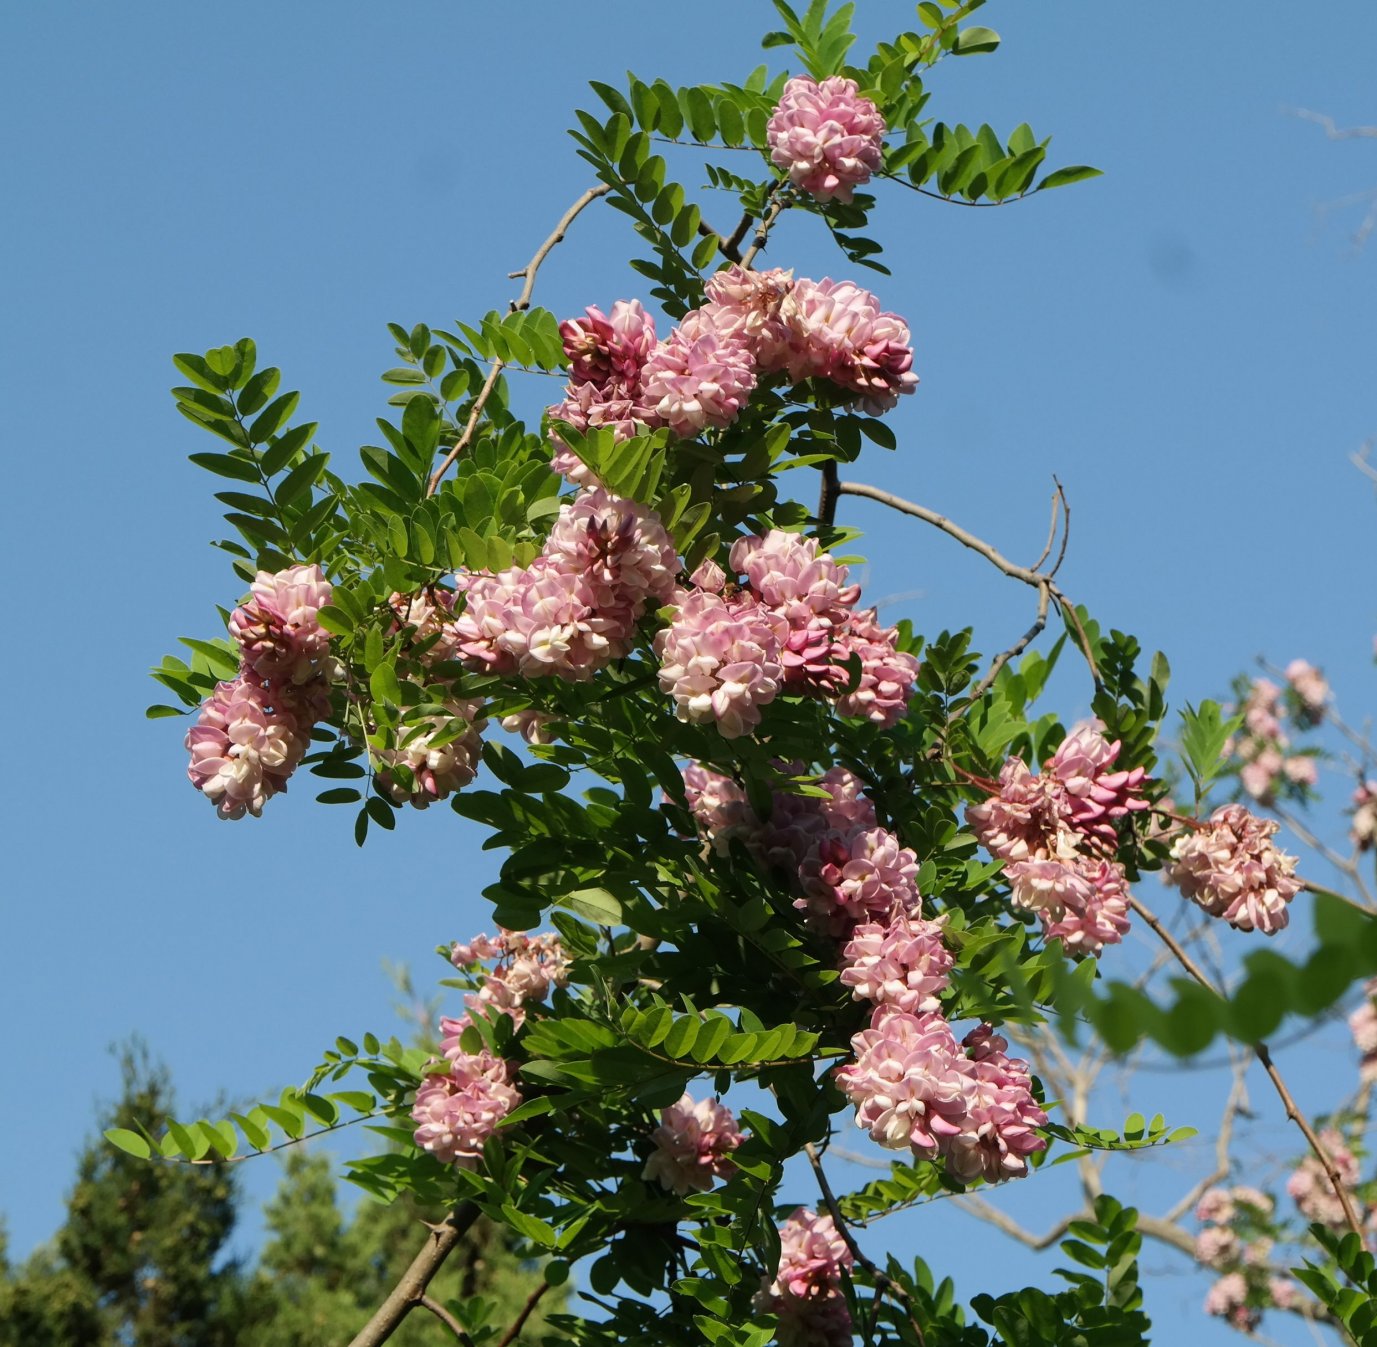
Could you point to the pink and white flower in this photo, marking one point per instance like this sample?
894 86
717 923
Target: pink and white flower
277 629
243 748
457 1110
693 1145
827 136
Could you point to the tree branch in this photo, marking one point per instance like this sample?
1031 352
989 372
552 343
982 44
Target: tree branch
446 1318
527 1310
762 233
518 305
883 1281
1260 1050
410 1290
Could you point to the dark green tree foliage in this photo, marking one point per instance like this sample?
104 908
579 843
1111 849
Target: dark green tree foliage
139 1261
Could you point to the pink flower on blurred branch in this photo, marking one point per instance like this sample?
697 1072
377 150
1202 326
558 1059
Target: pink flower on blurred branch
693 1145
826 136
1311 689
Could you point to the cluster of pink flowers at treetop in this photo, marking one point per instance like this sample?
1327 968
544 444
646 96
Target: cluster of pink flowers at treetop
458 1108
693 1145
1262 748
971 1104
1055 833
1363 827
751 325
1230 867
605 562
806 1291
793 626
526 968
912 1085
254 729
826 136
1311 1189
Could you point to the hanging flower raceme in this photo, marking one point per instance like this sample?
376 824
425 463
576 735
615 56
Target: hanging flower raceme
826 136
441 753
1228 1299
526 968
278 631
693 1145
1311 690
902 963
1363 827
698 379
720 660
243 748
1082 901
1095 794
857 876
999 1130
608 350
720 807
1233 871
458 1109
576 606
806 1290
1311 1189
838 332
745 305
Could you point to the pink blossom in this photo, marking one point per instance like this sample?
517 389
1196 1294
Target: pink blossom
745 304
532 725
1311 689
1310 1187
908 1082
903 963
1258 1252
1363 1021
277 629
826 136
999 1129
719 806
719 660
697 379
586 406
789 575
427 616
1087 924
1260 710
852 877
693 1145
606 350
527 967
1363 829
812 1257
1095 794
1050 887
1216 1246
458 1110
1245 1196
243 749
436 768
1284 1292
1233 871
888 675
838 332
1216 1206
1227 1299
1028 818
1301 770
622 553
710 576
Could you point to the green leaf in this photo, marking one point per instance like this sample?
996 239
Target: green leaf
1064 176
970 41
273 417
596 904
227 465
129 1142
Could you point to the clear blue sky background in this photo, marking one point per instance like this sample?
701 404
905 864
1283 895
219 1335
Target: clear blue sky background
1182 341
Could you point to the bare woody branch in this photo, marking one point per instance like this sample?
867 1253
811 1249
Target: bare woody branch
518 305
410 1290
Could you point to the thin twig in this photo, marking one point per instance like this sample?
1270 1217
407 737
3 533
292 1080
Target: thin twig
883 1281
410 1290
986 1211
1027 574
1018 647
1264 1056
521 303
1051 528
527 1310
829 494
762 233
1331 129
446 1318
950 200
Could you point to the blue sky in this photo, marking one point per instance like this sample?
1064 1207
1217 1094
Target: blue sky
1183 341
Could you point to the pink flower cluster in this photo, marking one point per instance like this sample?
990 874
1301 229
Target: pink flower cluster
1053 832
1262 749
526 968
792 626
253 730
1310 1188
806 1291
1234 1241
914 1086
751 325
427 618
605 562
1310 689
693 1145
1228 1299
1363 828
459 1108
1362 1024
902 963
826 136
1231 868
440 752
